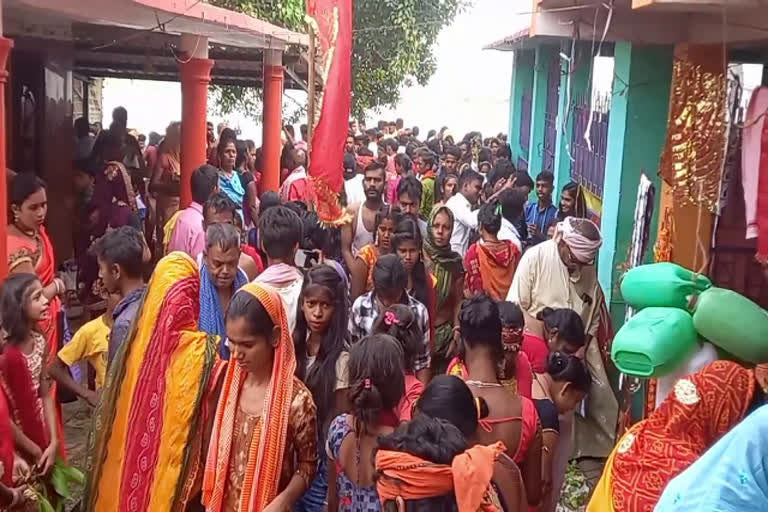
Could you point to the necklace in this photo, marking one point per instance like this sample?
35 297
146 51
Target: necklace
30 233
481 384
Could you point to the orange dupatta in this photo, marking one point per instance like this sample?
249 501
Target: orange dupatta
413 478
265 455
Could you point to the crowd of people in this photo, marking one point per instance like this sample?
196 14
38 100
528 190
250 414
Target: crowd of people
445 349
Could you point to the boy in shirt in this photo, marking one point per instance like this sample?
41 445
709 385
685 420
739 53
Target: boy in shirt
90 343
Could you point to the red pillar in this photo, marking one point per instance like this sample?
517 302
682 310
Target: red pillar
5 50
272 113
195 76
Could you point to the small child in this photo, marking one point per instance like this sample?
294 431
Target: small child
563 332
91 343
401 323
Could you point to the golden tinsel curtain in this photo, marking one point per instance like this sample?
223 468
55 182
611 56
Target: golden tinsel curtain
694 153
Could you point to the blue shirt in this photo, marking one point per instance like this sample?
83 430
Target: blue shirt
123 316
542 218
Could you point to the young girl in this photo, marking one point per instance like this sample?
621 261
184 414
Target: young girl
377 379
23 375
563 332
263 446
401 323
361 273
558 391
322 359
512 418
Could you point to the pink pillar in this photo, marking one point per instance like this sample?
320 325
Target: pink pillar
195 76
272 112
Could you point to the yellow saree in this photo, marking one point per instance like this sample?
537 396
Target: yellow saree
145 446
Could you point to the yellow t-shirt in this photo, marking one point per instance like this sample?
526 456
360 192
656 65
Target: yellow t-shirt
90 343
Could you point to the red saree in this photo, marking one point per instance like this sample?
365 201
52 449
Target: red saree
6 443
703 407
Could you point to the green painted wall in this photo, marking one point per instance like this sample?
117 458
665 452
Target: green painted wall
522 79
578 74
544 55
636 133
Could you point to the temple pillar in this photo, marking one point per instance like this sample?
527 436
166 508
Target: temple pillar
636 136
195 70
272 118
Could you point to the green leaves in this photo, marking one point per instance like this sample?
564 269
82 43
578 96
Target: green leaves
60 479
393 43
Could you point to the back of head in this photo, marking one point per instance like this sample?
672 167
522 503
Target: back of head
568 323
402 160
120 116
447 397
511 314
280 232
523 179
269 199
82 127
501 170
569 369
123 246
400 322
218 203
205 179
376 377
389 274
224 236
15 293
489 217
480 323
512 203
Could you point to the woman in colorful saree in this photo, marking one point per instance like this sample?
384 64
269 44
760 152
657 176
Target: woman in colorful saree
729 477
446 266
23 376
490 262
701 409
159 394
263 450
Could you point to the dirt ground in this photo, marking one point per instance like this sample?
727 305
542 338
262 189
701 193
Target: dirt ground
77 425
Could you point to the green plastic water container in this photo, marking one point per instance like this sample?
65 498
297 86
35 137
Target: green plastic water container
664 285
654 342
732 323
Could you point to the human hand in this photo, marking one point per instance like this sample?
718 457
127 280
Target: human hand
21 469
47 459
92 397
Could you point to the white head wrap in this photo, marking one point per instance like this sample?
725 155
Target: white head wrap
583 248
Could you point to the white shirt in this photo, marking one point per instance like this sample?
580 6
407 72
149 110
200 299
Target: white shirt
509 232
465 220
353 188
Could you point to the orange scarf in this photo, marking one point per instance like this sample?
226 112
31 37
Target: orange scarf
413 478
265 455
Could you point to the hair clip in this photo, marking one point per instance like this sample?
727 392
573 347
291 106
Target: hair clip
478 408
391 319
498 209
367 384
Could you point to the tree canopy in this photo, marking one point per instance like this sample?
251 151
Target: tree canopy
393 42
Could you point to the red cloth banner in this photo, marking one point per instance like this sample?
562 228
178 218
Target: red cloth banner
333 26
